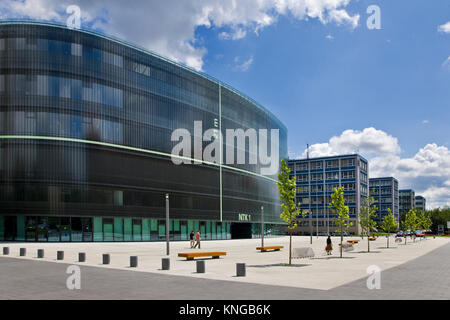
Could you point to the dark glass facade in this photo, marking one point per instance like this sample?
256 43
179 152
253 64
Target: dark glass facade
85 143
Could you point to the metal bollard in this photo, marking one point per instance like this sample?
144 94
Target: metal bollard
240 269
40 253
60 255
106 258
200 266
166 263
5 251
23 252
81 257
133 262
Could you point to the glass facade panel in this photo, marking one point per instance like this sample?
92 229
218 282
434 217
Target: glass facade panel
137 230
162 229
98 229
145 229
41 229
184 230
53 229
108 229
30 226
87 229
121 105
213 230
20 234
76 228
127 229
118 229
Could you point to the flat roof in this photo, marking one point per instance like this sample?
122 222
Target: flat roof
330 157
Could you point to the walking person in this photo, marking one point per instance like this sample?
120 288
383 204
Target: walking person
329 246
197 238
191 238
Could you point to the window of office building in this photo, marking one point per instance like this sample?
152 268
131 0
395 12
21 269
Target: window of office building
316 165
333 175
332 164
348 174
347 163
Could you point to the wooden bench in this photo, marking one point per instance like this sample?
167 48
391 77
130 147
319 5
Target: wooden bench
274 248
372 239
353 241
192 255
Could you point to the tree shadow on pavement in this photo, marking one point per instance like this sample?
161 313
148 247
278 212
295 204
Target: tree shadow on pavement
278 265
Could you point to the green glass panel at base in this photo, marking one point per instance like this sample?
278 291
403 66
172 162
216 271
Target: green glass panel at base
98 229
154 225
145 229
128 229
108 232
137 232
184 232
118 229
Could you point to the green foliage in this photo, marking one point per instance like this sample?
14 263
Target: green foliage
287 189
410 222
424 220
338 207
439 217
389 223
290 210
367 211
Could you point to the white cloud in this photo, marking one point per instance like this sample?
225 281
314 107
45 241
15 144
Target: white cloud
169 27
329 37
446 64
425 121
369 141
427 172
445 28
244 65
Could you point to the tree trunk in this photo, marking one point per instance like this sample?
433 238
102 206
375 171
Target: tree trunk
342 239
368 242
388 241
290 247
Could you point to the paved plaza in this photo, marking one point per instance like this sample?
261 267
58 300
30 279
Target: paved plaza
413 271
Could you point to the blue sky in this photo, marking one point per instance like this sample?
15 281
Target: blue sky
333 82
391 79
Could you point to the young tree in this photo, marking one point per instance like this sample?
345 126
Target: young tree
410 222
338 207
290 210
367 211
389 224
424 220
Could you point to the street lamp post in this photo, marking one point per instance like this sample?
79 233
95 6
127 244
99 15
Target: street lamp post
167 224
262 226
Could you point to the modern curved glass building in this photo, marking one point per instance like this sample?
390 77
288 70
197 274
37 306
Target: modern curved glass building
85 143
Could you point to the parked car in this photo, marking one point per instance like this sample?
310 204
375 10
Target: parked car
419 233
400 234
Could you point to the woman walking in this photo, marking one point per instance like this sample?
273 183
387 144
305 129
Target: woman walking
329 246
191 236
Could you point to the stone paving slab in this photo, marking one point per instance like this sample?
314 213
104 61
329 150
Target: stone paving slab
426 277
321 272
